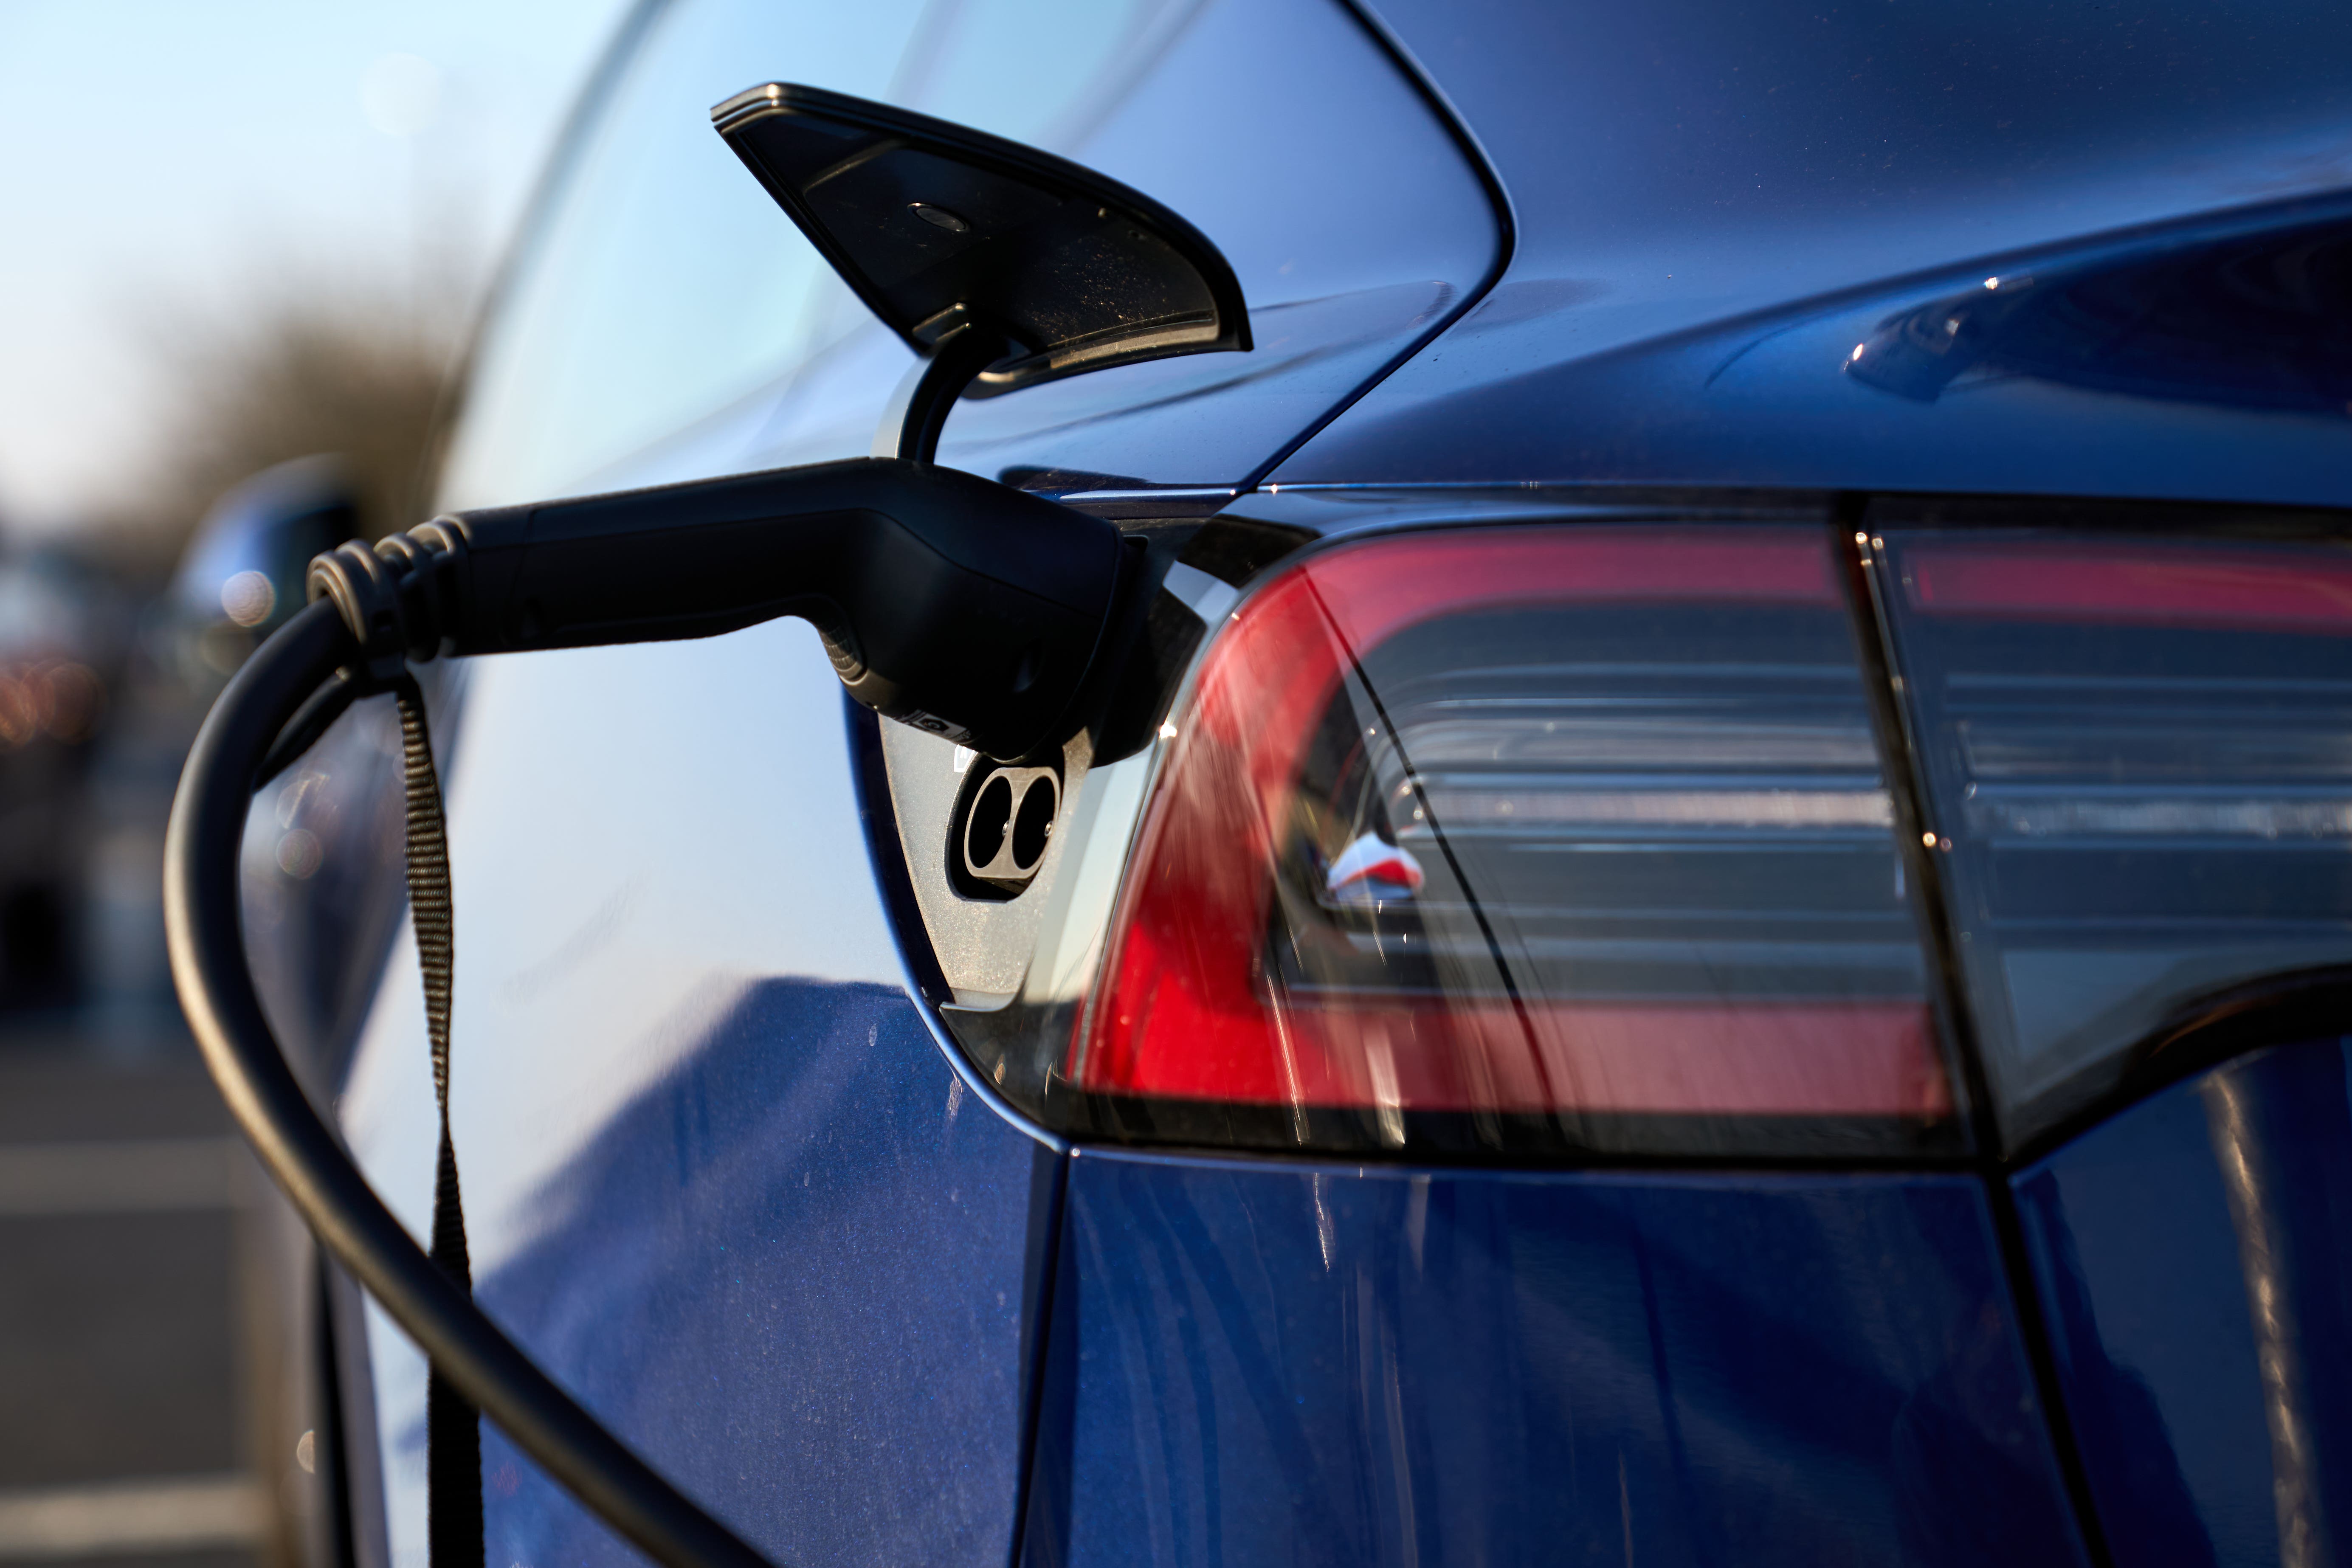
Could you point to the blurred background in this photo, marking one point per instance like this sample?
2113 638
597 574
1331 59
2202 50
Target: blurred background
244 242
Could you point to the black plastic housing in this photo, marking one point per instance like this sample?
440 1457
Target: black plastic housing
949 602
939 227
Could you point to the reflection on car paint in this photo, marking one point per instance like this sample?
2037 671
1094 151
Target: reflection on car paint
2193 1258
1691 186
739 1266
606 935
1264 1363
665 295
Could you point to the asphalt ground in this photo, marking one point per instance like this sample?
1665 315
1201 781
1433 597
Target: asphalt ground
125 1438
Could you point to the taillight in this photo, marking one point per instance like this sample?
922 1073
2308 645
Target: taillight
2138 751
1524 838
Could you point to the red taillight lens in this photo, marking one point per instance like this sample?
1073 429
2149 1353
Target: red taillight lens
1520 834
2190 586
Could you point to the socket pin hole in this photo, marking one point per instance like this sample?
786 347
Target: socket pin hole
984 834
1034 825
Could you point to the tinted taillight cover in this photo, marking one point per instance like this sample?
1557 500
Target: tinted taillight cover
2136 745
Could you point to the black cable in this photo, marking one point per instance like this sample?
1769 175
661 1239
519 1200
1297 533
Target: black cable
302 731
203 923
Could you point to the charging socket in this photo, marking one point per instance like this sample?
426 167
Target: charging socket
1002 829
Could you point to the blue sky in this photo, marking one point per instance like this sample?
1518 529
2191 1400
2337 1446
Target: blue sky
161 159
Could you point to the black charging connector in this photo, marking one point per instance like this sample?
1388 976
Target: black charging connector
948 601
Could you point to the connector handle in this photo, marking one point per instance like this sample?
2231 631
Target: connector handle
947 601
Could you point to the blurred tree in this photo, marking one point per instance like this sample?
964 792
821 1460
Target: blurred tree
359 373
283 370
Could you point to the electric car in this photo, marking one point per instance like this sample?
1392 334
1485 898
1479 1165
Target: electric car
1715 922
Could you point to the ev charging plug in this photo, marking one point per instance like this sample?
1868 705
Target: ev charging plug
958 605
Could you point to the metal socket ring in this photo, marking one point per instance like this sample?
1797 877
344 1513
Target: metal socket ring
1010 824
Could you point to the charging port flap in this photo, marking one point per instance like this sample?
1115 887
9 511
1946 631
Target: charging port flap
939 227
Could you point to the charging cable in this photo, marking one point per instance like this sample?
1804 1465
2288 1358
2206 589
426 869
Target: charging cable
961 607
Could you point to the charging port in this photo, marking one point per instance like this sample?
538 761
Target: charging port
1002 829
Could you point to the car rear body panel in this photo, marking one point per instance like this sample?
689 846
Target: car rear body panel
2192 1255
843 1294
1716 204
1261 1363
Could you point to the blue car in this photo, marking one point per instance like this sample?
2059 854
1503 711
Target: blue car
1709 919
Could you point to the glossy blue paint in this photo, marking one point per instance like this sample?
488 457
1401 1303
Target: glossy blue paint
2183 1248
792 1272
1716 204
1265 1363
2189 400
1359 230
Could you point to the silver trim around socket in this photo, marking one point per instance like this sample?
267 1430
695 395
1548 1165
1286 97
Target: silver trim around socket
1003 867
